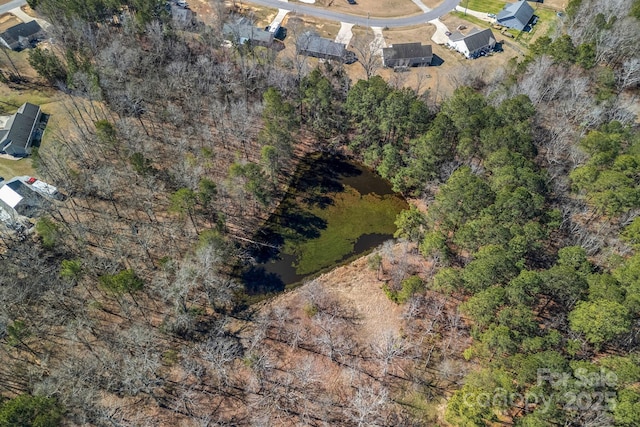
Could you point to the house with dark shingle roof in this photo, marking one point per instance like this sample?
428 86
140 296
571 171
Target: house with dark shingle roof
242 32
20 36
515 15
475 43
407 55
310 44
19 131
25 196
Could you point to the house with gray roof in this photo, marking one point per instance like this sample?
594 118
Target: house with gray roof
241 32
515 15
182 17
23 198
407 55
310 44
20 36
475 43
19 131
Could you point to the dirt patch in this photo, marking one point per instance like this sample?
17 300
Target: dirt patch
7 20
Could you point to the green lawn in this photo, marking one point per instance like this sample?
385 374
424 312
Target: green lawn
488 6
477 21
11 168
546 24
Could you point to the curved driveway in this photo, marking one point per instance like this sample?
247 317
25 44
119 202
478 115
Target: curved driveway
404 21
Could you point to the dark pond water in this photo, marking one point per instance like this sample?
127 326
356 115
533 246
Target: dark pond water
331 197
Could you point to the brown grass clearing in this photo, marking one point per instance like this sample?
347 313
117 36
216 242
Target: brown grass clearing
356 286
297 24
417 33
8 20
27 9
203 10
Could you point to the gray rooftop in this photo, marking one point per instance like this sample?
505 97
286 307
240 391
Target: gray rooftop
16 138
312 44
32 203
24 29
521 11
477 39
242 32
407 51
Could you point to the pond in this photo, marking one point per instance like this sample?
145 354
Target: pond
335 210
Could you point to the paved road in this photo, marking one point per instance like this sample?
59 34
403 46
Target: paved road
11 5
405 21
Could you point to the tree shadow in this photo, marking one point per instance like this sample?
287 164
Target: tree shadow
258 281
321 176
318 177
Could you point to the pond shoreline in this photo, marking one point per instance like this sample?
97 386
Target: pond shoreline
334 211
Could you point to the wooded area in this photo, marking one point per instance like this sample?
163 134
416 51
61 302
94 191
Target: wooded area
517 265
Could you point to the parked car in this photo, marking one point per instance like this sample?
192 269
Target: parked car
351 1
491 15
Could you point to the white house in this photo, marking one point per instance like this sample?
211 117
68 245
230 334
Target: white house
474 43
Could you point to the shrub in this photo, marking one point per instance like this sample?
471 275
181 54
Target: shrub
409 287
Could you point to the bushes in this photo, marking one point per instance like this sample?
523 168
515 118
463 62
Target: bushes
27 410
409 287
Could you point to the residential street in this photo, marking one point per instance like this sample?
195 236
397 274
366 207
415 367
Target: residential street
11 5
445 7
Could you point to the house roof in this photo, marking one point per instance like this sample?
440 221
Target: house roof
520 11
180 14
9 196
312 43
243 32
477 39
407 51
25 29
24 200
17 134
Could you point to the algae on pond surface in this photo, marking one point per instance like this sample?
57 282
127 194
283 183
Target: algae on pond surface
350 216
334 211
